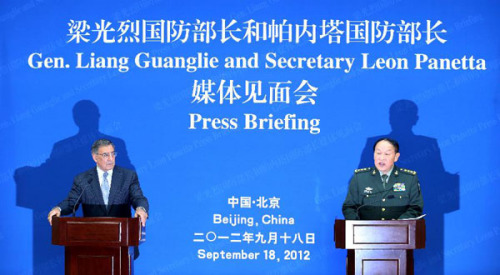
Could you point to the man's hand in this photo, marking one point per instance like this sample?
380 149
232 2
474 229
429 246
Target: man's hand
54 212
139 212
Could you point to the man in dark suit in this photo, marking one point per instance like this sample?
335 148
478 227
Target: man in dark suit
105 190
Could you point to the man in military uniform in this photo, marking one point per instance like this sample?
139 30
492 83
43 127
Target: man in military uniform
383 192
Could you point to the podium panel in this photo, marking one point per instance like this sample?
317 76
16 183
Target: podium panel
382 261
381 234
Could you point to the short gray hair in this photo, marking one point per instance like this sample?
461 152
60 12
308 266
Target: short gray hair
99 143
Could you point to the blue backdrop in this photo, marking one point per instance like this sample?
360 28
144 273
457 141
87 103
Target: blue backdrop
447 123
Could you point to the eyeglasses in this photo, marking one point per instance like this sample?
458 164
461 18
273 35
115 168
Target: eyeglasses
108 155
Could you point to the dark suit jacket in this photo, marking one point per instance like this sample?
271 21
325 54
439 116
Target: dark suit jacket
125 192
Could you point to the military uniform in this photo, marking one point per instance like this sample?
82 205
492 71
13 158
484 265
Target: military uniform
368 200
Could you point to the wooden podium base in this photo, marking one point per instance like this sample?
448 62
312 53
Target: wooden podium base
386 262
95 246
379 247
101 261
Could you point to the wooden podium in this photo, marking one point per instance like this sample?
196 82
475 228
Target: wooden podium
379 247
98 245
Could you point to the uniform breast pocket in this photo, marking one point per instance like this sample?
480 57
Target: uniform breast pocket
403 199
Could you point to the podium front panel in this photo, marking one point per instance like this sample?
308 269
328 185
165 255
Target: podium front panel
99 232
381 234
102 261
387 262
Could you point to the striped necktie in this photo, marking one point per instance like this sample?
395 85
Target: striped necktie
105 187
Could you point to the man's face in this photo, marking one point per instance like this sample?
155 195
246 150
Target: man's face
385 156
105 157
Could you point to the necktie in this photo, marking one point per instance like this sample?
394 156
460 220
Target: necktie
105 187
384 179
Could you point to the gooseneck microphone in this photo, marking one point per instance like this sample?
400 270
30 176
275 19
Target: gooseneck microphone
79 197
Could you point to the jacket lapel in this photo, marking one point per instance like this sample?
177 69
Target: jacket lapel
393 178
376 181
95 188
116 182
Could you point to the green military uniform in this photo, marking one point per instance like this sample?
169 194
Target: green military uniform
368 200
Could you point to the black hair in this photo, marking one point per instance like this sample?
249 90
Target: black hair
391 141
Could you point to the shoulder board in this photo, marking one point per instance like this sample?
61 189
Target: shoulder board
360 170
411 172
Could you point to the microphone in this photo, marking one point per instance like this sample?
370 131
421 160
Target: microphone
79 197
